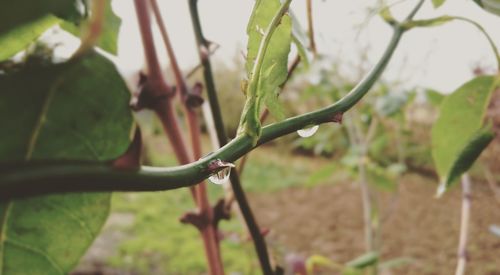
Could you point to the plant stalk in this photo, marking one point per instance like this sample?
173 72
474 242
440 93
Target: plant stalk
464 225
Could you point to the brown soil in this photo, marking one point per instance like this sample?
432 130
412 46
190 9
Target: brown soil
327 220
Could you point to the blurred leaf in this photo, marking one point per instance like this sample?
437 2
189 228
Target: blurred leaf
20 12
434 97
323 173
438 3
363 261
391 103
393 263
467 157
266 60
318 261
108 39
386 14
492 6
461 116
301 51
17 39
379 177
76 110
434 22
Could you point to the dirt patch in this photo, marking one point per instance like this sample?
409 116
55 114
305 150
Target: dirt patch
327 220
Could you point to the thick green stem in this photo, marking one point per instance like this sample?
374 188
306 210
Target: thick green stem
18 179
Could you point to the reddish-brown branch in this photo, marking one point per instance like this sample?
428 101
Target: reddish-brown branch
191 99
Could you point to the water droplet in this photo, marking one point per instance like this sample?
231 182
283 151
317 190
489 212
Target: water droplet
307 132
221 177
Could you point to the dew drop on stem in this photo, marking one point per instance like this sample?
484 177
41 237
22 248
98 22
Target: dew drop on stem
308 132
220 177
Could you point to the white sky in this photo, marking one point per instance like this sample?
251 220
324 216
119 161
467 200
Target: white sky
440 57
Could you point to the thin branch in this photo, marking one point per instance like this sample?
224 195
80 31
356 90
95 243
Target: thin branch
464 225
310 25
238 193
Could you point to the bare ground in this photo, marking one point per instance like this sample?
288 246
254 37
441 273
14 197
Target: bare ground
327 220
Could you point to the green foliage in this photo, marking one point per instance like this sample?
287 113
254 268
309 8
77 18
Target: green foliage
76 110
20 26
17 39
461 117
364 260
20 12
267 59
492 6
438 3
434 97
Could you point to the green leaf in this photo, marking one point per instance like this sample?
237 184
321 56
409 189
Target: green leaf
434 22
434 97
363 261
438 3
467 156
492 6
301 50
76 110
108 39
461 116
17 39
267 59
20 12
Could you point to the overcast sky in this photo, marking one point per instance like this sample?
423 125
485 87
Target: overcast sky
440 57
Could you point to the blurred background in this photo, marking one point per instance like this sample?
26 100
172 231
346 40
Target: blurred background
305 191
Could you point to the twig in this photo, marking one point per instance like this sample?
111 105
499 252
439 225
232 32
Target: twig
310 25
464 225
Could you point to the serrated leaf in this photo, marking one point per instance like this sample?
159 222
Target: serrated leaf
17 39
76 110
21 12
460 118
492 6
269 39
108 39
363 261
438 3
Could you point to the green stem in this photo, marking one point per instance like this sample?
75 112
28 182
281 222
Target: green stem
18 179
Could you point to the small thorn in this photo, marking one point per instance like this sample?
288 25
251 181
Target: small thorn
337 117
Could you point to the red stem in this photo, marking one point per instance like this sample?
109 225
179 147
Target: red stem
208 231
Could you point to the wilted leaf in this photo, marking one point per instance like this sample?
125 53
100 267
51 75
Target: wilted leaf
77 110
461 116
